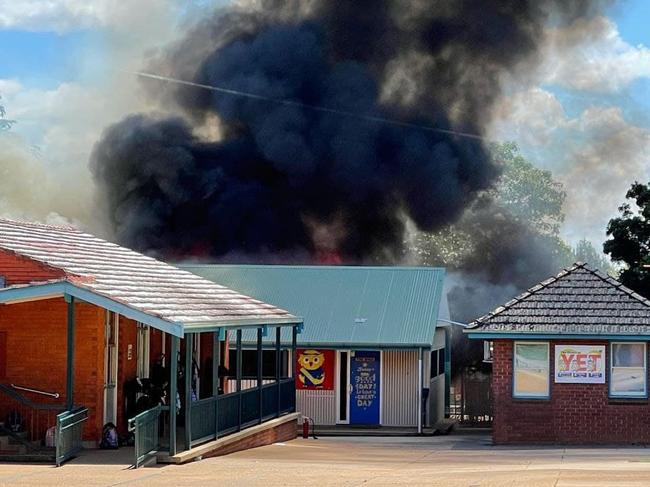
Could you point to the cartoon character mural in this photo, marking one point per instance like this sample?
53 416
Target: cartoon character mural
315 369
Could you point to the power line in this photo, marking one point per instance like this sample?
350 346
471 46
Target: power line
279 101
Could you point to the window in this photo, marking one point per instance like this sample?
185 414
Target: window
3 281
488 351
437 362
628 370
531 370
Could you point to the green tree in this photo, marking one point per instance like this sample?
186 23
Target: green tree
526 195
630 239
584 251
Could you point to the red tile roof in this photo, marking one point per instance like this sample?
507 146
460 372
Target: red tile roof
135 280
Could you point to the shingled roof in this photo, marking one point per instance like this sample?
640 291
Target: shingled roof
138 283
580 300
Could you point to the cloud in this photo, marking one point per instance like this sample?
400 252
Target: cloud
591 55
531 117
598 172
596 155
65 15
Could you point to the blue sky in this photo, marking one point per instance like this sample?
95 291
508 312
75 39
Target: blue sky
584 115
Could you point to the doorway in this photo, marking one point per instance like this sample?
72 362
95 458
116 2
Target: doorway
343 387
365 378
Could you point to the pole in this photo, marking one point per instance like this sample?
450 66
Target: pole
239 366
420 377
189 339
69 394
216 360
278 364
173 389
259 371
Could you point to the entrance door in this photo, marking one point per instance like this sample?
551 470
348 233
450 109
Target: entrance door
110 367
365 379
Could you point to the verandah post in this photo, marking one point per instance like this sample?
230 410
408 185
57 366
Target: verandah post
173 383
259 371
239 366
69 389
294 360
216 360
189 339
278 363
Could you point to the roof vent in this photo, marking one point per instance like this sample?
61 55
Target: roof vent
360 320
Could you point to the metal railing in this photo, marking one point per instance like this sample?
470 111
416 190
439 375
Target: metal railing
236 410
69 433
146 427
36 417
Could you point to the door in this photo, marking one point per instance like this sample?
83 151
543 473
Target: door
110 367
365 372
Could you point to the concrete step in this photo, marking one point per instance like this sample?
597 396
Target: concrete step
6 456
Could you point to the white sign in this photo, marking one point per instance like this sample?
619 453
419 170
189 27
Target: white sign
580 364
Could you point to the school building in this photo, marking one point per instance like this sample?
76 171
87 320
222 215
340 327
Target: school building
374 351
94 333
570 362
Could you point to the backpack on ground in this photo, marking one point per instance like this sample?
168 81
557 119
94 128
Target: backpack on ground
110 439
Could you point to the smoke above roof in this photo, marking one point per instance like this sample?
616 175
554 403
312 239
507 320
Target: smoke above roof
231 175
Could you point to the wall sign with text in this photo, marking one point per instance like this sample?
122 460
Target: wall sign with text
580 364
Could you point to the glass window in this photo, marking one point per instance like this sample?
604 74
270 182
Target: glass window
628 372
531 370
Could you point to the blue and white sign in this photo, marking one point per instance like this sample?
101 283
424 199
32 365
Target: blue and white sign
364 379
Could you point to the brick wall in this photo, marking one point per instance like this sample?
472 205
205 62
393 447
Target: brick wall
20 270
574 414
36 347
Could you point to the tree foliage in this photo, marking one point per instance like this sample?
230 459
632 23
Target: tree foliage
630 239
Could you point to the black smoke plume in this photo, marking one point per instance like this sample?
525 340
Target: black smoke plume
285 179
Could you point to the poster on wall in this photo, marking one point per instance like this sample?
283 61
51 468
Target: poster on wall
315 369
580 364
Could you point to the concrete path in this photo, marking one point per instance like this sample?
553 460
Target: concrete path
459 460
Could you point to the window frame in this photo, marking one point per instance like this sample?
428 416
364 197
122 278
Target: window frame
530 397
628 395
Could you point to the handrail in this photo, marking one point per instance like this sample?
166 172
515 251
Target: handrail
55 395
8 391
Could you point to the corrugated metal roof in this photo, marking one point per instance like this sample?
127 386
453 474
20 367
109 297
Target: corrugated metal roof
579 300
135 280
345 305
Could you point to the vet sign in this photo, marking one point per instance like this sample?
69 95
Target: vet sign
580 364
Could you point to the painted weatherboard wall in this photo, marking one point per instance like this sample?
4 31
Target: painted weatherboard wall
400 388
320 406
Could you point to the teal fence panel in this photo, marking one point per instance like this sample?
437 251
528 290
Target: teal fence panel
147 438
287 395
203 417
228 413
250 406
269 401
69 433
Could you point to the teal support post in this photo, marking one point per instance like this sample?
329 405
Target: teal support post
189 340
447 372
69 388
216 381
239 367
278 365
294 348
259 371
173 390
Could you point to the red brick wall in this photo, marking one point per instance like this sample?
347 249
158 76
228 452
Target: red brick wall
20 270
127 367
36 344
574 414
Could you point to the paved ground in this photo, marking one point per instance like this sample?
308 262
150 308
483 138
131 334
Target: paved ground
459 460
